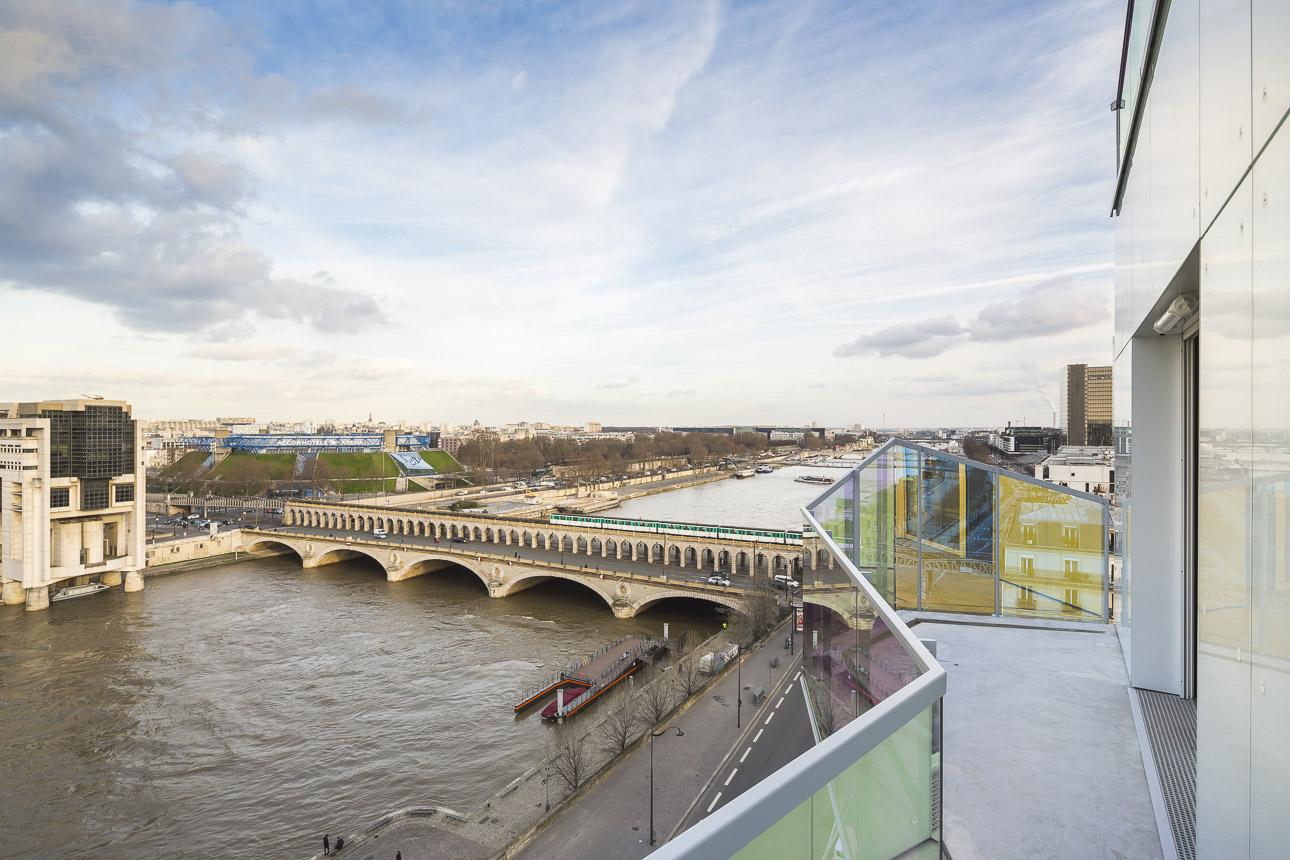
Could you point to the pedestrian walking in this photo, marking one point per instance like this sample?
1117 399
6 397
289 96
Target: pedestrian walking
326 844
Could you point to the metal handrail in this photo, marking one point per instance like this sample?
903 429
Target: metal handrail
746 817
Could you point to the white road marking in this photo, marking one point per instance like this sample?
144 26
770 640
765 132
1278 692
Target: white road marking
798 675
732 775
714 801
780 702
759 731
788 689
745 755
771 717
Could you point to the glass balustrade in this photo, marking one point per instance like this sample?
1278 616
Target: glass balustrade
909 528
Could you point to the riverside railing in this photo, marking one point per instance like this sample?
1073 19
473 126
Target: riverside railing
871 786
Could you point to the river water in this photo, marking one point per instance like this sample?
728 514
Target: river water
261 704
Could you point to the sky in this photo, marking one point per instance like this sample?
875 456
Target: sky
637 213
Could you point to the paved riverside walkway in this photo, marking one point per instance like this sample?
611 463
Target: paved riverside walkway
610 819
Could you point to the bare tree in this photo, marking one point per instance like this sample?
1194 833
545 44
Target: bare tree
688 677
656 700
619 728
762 611
570 758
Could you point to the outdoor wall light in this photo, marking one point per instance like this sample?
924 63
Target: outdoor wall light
1180 310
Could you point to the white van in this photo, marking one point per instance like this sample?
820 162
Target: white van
786 583
379 533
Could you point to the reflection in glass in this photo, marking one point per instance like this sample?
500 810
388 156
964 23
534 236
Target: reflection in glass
935 532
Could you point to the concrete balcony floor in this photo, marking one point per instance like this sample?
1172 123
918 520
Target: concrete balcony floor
1041 753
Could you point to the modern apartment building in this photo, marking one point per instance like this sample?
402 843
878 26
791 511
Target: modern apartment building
1202 395
1084 404
71 498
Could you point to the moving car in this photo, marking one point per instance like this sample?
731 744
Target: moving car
719 579
461 540
379 533
786 583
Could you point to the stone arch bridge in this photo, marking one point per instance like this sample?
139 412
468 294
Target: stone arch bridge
693 553
625 593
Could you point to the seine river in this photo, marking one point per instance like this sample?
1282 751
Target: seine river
252 707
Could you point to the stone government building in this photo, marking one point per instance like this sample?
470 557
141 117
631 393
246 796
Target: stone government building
71 498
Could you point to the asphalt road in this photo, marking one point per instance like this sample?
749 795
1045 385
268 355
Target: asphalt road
782 734
159 532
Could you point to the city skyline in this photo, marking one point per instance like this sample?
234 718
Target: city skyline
678 213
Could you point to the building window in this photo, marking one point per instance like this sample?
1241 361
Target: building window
60 497
1071 565
1070 537
123 493
1028 535
1028 565
94 494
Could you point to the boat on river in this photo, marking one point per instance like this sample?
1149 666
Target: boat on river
814 479
78 591
763 470
744 473
597 674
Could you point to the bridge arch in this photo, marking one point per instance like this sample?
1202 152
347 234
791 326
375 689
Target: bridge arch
434 563
269 543
581 547
333 554
541 576
718 599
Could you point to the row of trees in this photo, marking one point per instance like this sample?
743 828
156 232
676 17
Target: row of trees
483 451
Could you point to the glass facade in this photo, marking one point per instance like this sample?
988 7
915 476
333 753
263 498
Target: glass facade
94 442
123 493
94 494
937 533
1213 181
60 497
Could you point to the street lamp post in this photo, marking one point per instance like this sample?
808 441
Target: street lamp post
653 735
739 686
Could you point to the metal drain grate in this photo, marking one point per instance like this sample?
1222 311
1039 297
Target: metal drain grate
1171 730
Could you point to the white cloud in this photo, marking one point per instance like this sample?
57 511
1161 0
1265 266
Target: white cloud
709 197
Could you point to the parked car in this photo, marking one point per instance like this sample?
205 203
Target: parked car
719 579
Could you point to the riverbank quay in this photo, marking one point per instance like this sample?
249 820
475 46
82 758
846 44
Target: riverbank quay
608 815
200 551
